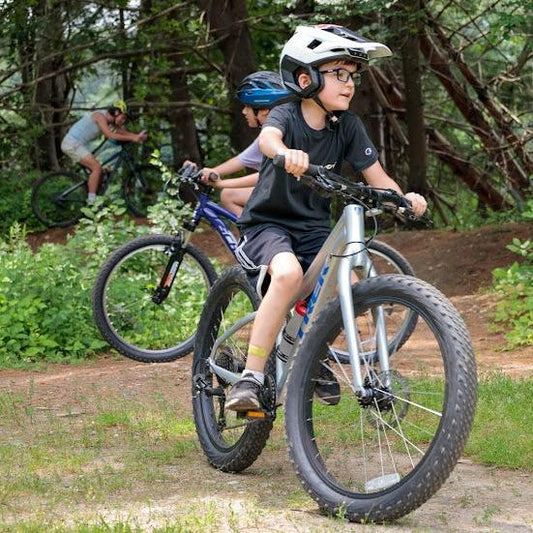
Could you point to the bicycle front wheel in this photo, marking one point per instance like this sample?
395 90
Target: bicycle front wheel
378 457
141 188
125 310
230 442
57 198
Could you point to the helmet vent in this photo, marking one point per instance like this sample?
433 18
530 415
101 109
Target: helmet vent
314 43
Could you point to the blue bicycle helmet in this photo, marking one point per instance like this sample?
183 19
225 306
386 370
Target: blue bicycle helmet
263 89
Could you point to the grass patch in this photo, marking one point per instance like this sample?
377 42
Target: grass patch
96 454
502 433
105 452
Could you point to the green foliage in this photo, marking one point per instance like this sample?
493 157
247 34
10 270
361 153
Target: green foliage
501 434
514 285
469 213
15 195
168 213
45 296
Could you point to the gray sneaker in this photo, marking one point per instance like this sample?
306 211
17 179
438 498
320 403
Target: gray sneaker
244 395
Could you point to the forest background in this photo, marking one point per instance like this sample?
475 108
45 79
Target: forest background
450 112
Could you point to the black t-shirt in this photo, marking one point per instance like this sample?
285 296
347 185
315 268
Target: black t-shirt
279 198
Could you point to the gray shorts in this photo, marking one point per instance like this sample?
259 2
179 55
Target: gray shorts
74 149
259 244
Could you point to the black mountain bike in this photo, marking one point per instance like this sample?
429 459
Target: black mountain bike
58 197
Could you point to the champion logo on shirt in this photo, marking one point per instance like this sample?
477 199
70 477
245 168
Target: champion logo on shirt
368 151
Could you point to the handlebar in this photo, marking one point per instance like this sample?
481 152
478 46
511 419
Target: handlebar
189 173
328 183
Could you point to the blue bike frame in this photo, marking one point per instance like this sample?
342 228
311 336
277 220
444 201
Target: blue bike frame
214 214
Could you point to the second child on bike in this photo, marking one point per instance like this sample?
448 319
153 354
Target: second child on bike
285 223
76 143
259 93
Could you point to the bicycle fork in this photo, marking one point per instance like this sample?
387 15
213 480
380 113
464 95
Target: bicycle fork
355 256
176 253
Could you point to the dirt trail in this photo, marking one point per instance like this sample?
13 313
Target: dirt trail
475 498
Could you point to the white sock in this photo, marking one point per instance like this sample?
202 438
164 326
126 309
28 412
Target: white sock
258 376
91 197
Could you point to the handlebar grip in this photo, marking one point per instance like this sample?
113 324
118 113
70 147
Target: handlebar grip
312 170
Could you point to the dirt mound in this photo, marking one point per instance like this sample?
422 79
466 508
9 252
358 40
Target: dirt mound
455 262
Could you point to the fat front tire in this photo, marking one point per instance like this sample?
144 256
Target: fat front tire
229 442
124 309
378 457
58 198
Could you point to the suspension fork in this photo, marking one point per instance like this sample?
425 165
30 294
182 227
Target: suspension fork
175 253
356 256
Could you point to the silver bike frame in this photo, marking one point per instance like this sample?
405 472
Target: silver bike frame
331 276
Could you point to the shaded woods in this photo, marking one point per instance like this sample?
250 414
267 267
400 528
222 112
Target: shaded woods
448 111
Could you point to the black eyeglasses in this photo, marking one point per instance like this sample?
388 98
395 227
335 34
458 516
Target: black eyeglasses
344 75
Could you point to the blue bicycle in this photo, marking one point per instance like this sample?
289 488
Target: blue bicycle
150 292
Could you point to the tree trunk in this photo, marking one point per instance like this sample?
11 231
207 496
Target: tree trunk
414 106
183 135
182 125
491 141
227 24
50 95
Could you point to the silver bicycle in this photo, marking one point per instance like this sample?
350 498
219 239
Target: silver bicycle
407 387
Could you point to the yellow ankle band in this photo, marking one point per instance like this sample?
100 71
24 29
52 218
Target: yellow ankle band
257 351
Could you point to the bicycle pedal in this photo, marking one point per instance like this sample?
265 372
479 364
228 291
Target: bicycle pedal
256 414
252 415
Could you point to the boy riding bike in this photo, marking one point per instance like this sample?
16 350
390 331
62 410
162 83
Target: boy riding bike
285 223
259 92
76 142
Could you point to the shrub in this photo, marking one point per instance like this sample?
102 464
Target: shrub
514 285
45 296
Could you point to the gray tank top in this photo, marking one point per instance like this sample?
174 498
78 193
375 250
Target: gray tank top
85 130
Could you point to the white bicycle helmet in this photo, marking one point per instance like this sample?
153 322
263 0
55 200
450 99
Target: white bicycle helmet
311 46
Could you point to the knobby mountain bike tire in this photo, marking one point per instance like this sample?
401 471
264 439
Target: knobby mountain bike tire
124 309
231 443
388 260
141 188
377 458
58 198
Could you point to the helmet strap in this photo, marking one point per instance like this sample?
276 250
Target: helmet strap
333 119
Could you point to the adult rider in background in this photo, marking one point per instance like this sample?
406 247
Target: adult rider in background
77 141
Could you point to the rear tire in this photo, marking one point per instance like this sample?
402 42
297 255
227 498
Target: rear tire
52 205
230 443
